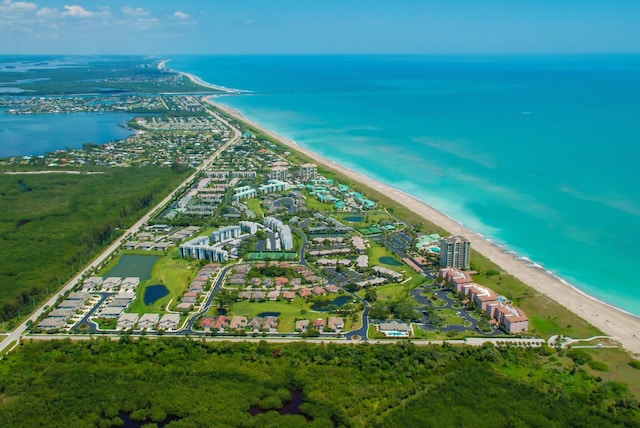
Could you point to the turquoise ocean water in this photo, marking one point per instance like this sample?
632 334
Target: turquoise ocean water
537 153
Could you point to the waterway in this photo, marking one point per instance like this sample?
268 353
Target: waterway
36 134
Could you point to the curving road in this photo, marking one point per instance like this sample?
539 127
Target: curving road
17 333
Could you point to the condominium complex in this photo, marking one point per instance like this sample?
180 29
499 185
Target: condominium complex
308 172
511 318
200 248
280 173
455 252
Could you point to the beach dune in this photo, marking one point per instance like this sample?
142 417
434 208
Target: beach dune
621 325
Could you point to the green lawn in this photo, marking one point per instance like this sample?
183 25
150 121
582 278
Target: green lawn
313 204
450 316
175 274
254 205
392 291
368 218
288 311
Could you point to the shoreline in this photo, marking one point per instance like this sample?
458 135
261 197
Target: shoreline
616 322
162 65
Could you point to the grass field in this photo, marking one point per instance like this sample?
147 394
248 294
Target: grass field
175 274
289 312
254 205
313 204
368 218
450 316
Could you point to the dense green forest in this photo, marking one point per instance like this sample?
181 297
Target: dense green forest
52 224
196 384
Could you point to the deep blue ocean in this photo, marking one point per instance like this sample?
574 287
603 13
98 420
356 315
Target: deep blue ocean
537 153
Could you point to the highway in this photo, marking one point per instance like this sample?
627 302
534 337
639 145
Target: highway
17 333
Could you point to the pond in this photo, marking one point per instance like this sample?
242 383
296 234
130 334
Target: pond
291 407
327 305
354 219
153 293
134 266
389 261
268 314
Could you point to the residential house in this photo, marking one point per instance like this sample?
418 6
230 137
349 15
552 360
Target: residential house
63 313
221 322
244 295
318 291
126 321
273 295
238 323
52 324
270 323
331 288
254 323
335 324
302 325
148 321
319 324
206 323
304 292
288 295
169 322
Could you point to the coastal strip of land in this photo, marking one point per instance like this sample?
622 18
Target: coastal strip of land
162 65
621 325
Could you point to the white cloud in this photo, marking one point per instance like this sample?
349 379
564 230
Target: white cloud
47 12
180 15
145 23
134 12
17 6
76 11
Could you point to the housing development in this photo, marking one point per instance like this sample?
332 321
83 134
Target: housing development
262 242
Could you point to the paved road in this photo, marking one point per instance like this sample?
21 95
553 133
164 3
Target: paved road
472 341
22 328
217 286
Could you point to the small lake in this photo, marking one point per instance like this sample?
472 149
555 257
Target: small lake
327 305
268 314
153 293
133 265
389 261
291 407
354 219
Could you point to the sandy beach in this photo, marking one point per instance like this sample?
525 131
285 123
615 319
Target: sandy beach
162 65
622 326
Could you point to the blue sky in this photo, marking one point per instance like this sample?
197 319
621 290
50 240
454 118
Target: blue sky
327 26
